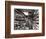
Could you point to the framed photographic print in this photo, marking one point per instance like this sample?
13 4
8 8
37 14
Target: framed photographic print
24 19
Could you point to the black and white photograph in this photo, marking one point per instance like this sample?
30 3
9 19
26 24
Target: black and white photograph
26 19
